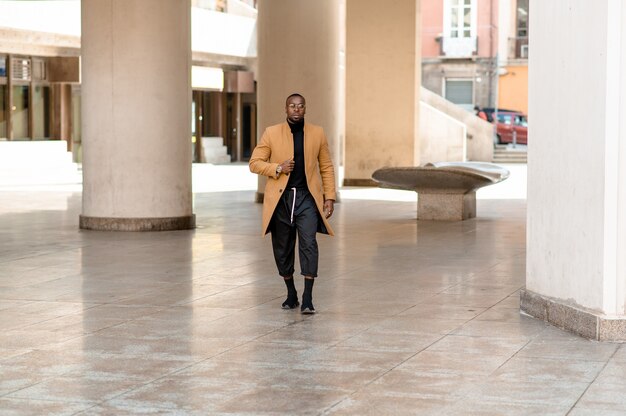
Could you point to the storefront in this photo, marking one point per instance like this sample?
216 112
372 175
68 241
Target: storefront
36 97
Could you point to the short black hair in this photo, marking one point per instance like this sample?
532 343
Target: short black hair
295 94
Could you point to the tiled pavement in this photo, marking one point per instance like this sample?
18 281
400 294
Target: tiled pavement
414 318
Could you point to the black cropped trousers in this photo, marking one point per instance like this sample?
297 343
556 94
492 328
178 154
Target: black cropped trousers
295 215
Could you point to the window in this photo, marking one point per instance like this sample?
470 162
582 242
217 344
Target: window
460 92
459 26
522 18
505 118
460 18
3 66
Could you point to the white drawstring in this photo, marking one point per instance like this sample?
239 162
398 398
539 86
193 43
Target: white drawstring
293 204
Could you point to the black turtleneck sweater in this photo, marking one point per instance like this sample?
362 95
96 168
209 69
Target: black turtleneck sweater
297 178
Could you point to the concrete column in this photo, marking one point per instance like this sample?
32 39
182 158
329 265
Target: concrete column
383 76
299 51
576 265
136 115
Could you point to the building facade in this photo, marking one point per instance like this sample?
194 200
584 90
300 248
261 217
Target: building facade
475 52
459 50
513 56
40 84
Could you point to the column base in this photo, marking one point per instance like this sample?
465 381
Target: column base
137 224
360 182
446 207
586 323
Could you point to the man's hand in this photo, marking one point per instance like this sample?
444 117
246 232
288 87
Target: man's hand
329 207
287 166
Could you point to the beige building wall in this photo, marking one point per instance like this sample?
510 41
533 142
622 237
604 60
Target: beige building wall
299 51
382 86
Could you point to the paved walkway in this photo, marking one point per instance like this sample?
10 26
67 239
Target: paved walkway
414 318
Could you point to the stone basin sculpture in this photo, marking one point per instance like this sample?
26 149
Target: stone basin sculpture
446 190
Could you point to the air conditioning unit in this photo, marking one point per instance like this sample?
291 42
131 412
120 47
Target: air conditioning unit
523 52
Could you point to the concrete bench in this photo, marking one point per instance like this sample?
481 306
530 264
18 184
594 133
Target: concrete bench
446 190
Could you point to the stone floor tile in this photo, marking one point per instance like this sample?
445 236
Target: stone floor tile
35 407
375 405
604 397
401 382
376 339
463 364
557 394
88 390
500 314
620 355
573 348
414 317
528 328
613 373
443 311
520 368
481 408
582 411
507 346
279 401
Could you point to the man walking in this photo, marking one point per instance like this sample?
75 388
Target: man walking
299 195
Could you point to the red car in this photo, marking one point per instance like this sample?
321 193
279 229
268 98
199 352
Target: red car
512 127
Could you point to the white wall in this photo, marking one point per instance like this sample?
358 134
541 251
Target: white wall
442 138
505 29
222 33
480 132
576 181
59 16
212 32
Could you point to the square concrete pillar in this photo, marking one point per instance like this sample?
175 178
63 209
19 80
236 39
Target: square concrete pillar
576 264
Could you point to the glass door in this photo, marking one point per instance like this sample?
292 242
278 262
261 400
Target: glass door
4 100
41 112
4 106
20 107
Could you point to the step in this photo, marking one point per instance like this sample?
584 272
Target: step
214 150
37 163
44 153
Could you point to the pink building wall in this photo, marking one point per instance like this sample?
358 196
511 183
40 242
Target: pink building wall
487 29
432 27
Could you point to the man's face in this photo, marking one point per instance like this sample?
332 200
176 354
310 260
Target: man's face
295 109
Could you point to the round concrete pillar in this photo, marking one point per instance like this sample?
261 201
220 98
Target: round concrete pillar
299 51
136 115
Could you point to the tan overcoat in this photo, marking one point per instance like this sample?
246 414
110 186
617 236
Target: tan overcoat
275 147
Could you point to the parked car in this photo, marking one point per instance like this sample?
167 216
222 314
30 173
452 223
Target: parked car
511 126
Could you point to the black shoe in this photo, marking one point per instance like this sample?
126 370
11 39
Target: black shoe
307 308
307 298
291 302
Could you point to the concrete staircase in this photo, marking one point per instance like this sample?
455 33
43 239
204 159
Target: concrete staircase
508 154
37 163
214 151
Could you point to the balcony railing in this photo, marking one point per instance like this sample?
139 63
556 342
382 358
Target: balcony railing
220 5
518 48
459 47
